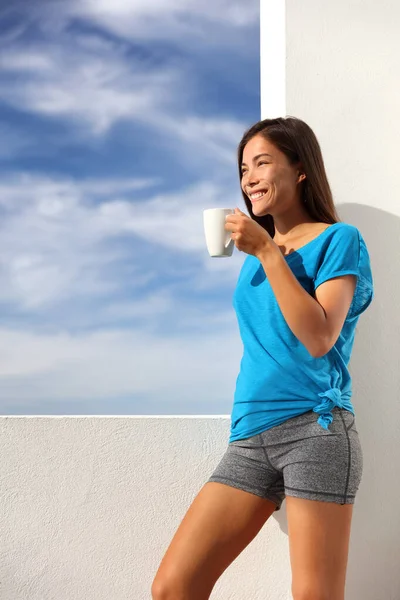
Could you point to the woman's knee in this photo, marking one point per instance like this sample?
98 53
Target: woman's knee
169 587
310 591
164 589
172 587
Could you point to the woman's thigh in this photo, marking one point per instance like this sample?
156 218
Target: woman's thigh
219 524
322 470
319 535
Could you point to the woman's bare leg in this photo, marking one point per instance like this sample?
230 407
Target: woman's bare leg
219 524
319 536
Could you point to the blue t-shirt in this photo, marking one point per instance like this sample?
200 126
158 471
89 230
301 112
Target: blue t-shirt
278 378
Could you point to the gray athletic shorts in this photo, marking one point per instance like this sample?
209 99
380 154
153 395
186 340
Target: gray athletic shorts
297 458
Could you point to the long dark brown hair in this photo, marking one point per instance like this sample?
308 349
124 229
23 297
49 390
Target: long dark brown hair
298 142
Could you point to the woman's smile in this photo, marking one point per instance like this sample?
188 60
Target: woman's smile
255 196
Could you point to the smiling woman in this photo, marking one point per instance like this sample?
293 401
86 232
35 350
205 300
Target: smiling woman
283 159
293 431
269 178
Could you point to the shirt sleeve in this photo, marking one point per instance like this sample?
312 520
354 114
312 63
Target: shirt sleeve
347 254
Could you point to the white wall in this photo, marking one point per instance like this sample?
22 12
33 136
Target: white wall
342 78
90 504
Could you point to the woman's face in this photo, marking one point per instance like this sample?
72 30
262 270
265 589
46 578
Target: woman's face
268 179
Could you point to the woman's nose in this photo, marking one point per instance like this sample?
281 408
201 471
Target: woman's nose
252 178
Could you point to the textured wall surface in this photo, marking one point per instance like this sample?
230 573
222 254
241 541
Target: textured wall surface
342 66
89 505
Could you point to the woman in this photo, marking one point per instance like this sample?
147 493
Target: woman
304 284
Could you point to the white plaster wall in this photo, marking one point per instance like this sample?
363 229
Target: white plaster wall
342 77
89 504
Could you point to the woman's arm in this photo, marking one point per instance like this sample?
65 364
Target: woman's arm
316 322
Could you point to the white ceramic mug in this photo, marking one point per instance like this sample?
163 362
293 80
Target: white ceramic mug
218 240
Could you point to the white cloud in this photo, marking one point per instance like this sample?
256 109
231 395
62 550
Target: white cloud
23 189
56 233
49 248
109 364
93 81
214 137
172 220
97 90
177 21
25 62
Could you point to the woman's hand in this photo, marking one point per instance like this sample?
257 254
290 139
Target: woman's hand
248 235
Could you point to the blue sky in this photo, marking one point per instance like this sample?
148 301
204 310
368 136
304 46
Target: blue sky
119 123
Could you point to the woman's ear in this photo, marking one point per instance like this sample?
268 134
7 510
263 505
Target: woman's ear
301 176
300 172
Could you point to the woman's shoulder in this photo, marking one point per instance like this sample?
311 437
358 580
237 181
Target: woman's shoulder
340 229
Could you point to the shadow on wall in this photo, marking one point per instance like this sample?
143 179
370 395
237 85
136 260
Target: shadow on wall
375 540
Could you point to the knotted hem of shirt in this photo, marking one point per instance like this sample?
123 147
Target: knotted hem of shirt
332 398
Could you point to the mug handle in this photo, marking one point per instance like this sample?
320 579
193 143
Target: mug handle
229 242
